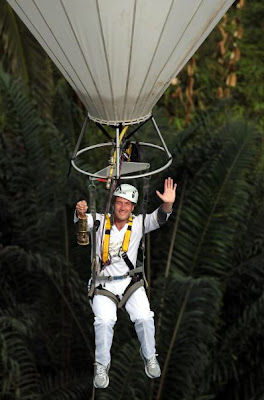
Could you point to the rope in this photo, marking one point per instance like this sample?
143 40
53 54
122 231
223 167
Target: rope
144 211
92 189
93 395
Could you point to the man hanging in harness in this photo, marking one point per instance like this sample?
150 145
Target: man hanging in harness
117 244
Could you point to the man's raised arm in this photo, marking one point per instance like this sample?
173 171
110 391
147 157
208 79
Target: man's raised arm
169 195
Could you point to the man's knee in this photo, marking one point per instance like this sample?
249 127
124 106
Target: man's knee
141 316
138 306
148 319
104 310
105 320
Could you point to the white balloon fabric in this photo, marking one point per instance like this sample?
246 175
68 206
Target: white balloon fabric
120 55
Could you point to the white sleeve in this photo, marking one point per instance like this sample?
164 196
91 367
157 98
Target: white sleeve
152 221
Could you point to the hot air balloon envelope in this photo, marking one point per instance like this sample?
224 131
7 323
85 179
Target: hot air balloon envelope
120 56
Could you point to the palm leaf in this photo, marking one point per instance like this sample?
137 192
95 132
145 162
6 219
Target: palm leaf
24 58
189 330
238 365
18 373
216 205
66 386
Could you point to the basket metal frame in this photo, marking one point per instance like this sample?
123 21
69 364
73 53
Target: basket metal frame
118 175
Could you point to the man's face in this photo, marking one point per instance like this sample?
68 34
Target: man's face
122 209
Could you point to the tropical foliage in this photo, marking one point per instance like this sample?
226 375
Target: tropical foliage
205 266
228 66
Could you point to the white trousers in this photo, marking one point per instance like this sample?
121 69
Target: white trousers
105 317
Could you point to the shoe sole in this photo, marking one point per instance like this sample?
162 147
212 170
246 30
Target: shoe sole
107 382
146 370
101 387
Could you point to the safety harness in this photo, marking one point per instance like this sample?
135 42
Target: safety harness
136 272
124 248
136 282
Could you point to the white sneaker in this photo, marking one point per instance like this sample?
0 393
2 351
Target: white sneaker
152 367
101 378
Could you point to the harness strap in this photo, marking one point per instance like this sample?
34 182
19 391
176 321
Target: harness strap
127 235
112 278
127 261
105 256
129 291
106 239
132 273
107 293
135 271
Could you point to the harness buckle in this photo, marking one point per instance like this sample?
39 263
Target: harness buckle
117 278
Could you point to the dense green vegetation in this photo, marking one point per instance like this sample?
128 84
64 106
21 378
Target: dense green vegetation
205 266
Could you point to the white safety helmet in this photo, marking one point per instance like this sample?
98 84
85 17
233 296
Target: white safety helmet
128 192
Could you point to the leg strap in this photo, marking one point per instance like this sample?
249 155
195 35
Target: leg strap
132 287
129 291
107 293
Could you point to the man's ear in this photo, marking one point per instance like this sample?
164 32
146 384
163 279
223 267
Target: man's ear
133 207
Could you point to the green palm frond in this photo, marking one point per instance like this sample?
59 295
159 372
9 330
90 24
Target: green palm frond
238 363
69 385
11 42
216 205
253 238
33 156
24 58
245 284
23 161
64 281
190 320
18 373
